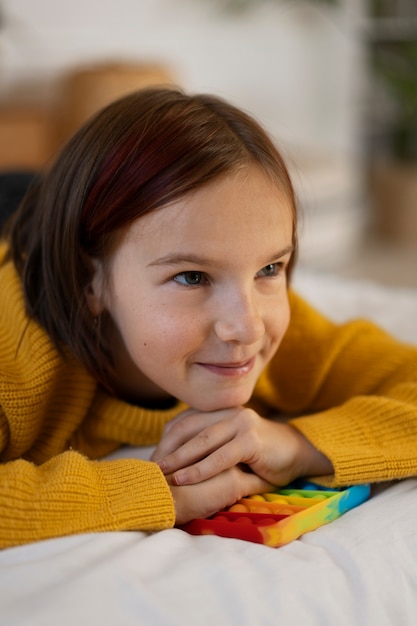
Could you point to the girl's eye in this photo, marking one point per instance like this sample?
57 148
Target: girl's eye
270 270
190 279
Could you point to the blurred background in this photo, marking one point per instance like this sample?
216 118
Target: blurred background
333 81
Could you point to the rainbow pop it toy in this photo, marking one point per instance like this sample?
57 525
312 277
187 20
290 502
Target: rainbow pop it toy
279 517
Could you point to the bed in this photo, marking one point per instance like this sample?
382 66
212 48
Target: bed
359 569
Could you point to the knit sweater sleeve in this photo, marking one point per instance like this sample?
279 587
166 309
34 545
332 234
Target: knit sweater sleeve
70 494
353 390
48 490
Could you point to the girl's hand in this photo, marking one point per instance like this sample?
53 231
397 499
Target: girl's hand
198 446
214 494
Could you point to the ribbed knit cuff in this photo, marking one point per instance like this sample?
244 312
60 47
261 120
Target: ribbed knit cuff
364 439
138 496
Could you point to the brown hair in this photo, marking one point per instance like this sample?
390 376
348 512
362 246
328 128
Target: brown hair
136 155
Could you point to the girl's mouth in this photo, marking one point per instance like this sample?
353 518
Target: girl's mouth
230 369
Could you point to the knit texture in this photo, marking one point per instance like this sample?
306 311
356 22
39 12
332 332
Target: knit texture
351 389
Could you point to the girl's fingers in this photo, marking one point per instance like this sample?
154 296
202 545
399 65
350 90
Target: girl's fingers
222 458
223 490
211 440
191 423
253 484
186 427
177 419
179 430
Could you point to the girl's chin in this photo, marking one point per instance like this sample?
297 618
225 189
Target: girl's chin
211 404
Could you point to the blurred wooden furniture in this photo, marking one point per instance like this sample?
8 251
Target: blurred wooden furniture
87 90
393 187
24 138
30 136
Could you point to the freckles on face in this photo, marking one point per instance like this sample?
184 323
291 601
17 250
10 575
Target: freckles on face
197 293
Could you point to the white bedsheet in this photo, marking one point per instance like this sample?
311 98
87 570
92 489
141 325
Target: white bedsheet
359 570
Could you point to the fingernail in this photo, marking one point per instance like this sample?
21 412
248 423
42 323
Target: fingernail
178 479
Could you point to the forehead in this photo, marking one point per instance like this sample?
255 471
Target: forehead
244 206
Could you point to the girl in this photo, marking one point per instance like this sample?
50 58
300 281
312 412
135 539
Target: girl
145 300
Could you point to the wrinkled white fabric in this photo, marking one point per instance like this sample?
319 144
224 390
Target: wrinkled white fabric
360 569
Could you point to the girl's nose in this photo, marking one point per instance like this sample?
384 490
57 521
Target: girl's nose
239 319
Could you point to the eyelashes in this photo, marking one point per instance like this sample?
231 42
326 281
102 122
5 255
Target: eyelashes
191 278
271 270
194 278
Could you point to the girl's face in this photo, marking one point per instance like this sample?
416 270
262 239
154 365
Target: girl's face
197 293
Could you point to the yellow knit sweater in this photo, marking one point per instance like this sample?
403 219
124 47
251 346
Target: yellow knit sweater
352 390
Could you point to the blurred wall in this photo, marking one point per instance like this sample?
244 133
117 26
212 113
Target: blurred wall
292 64
296 65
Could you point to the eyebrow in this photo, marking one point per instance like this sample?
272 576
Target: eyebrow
194 259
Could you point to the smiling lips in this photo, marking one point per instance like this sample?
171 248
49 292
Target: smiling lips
230 369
